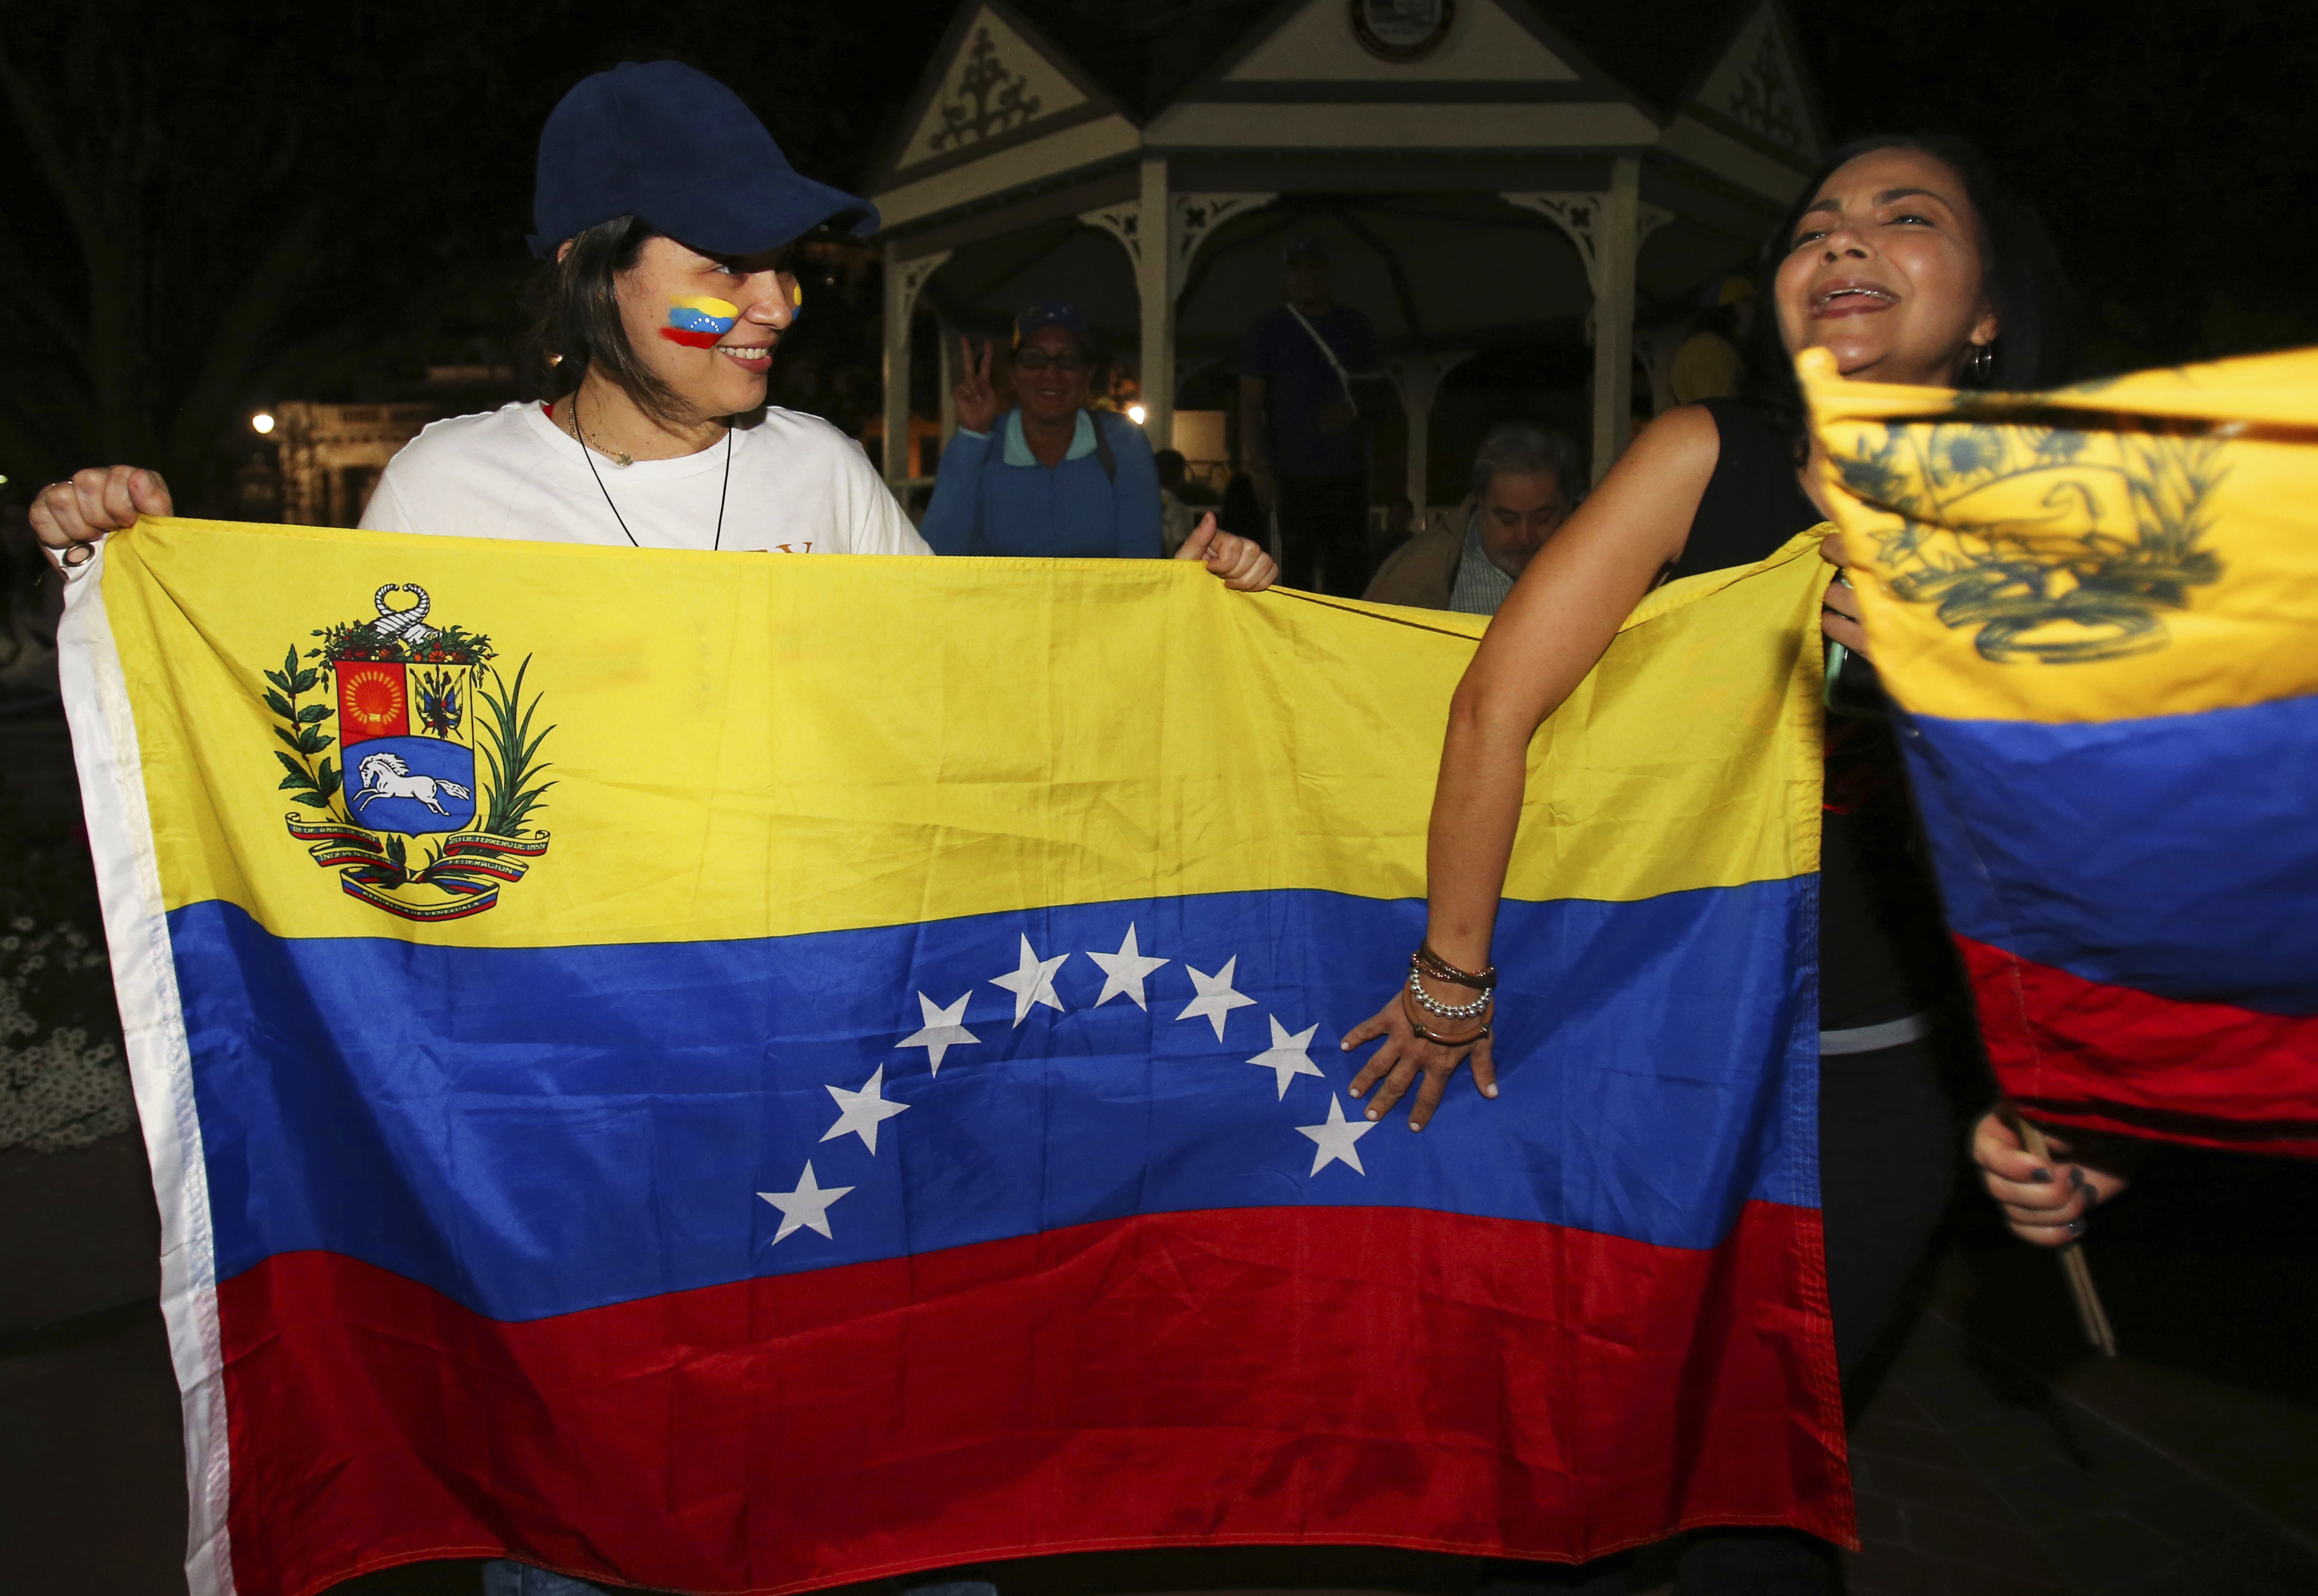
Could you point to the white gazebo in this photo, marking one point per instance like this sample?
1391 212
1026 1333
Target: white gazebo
1485 171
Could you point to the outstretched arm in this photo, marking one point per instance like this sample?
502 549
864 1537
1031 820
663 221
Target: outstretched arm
1558 620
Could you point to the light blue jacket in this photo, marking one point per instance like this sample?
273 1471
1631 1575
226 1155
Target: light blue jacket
993 497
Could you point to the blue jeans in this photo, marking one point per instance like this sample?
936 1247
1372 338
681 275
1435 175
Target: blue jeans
504 1577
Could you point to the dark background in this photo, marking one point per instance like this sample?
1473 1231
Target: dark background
205 209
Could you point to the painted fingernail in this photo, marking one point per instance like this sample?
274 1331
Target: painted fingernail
1488 1091
1373 1113
2076 1177
2076 1227
2092 1197
2040 1176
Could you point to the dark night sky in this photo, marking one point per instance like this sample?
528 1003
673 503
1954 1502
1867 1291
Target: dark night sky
207 206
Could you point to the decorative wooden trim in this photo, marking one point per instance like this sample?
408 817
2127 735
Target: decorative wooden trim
1198 215
1123 222
912 276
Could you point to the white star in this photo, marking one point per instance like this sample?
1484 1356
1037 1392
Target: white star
1216 998
1335 1139
1124 971
1287 1056
866 1110
1033 981
806 1206
941 1031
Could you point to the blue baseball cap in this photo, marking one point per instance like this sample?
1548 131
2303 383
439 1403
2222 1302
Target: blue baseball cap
677 150
1058 313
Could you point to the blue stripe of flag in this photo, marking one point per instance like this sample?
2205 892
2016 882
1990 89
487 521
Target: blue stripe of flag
534 1132
2177 854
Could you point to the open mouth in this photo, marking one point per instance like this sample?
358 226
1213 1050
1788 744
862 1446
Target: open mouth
1853 299
749 357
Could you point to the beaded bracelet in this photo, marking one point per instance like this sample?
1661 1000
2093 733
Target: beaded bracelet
1446 1010
1418 1026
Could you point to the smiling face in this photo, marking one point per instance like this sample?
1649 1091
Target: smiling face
1884 271
1519 510
1052 393
707 326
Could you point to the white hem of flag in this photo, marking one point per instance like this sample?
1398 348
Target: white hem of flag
160 1065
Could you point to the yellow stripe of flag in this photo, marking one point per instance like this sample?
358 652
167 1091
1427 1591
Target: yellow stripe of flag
745 745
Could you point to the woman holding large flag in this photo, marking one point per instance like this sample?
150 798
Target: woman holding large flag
667 215
1908 264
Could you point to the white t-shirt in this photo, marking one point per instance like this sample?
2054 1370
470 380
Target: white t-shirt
799 486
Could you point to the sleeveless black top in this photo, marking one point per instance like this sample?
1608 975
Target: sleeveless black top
1883 952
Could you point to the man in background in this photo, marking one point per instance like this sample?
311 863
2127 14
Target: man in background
1521 478
1302 368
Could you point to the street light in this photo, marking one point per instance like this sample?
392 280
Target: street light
261 423
1136 413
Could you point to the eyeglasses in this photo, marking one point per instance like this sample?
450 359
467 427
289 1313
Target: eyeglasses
1039 360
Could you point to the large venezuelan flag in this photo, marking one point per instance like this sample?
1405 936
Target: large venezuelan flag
772 1072
2098 609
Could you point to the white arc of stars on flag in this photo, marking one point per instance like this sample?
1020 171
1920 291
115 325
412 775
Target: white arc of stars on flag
1032 984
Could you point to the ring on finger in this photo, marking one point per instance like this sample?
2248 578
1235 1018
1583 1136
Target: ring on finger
86 552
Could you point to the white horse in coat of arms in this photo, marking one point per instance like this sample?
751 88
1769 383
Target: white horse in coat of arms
385 775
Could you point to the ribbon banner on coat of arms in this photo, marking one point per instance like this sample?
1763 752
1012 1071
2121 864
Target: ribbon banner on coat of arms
2096 610
732 1072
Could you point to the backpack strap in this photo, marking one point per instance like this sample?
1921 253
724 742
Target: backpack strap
1102 446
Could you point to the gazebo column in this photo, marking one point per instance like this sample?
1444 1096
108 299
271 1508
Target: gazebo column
903 280
1418 378
1614 314
1608 229
1155 288
1162 256
947 378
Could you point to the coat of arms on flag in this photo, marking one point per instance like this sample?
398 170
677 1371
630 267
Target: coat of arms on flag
402 818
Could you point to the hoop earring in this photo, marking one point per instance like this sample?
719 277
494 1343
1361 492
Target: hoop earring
1981 362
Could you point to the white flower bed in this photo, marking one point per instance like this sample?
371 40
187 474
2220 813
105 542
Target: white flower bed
57 1088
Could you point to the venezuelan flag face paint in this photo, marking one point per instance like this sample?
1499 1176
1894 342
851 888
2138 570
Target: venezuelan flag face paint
699 321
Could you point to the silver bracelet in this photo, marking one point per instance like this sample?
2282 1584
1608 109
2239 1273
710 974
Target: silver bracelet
1432 1005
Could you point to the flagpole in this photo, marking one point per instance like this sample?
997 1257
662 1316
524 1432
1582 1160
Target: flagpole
2091 1315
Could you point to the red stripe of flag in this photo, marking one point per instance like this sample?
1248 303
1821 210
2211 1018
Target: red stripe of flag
1356 1376
2115 1058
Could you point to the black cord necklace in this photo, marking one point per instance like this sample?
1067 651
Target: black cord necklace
588 454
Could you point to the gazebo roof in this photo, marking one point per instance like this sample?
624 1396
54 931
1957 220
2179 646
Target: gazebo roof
1432 178
1021 93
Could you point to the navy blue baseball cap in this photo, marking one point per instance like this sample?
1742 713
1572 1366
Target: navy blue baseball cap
674 147
1058 313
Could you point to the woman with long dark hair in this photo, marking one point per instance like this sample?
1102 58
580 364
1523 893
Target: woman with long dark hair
1905 261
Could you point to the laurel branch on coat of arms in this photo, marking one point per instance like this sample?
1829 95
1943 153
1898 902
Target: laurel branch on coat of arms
403 816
